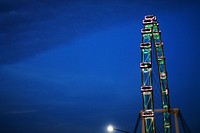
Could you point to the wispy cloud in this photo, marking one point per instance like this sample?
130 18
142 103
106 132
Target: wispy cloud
32 27
21 112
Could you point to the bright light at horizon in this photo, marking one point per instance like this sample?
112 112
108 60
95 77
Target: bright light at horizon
110 128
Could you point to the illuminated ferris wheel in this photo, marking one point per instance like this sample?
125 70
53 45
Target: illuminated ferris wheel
154 88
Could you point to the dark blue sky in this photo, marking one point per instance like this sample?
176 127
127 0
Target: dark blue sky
73 66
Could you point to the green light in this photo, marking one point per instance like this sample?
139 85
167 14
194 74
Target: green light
146 51
156 36
149 26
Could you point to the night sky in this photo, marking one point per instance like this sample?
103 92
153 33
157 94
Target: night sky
72 66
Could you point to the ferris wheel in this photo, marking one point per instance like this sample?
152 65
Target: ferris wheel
154 88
